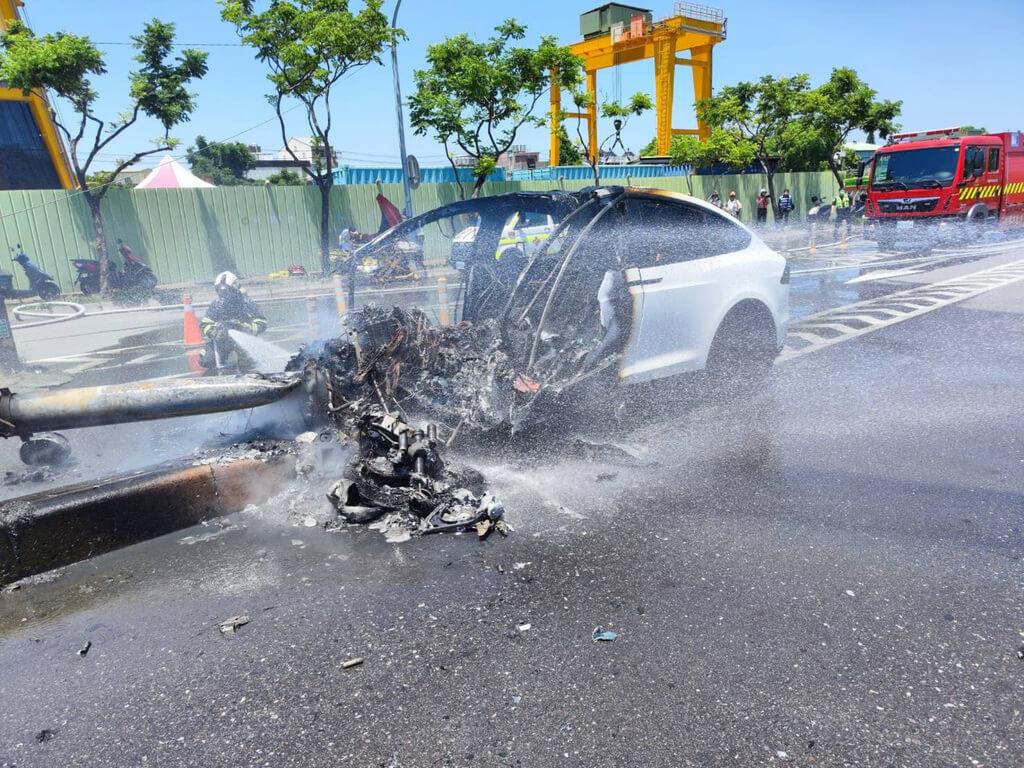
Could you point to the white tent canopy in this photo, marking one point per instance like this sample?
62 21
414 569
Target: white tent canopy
170 174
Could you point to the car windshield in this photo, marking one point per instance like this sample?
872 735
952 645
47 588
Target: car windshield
915 167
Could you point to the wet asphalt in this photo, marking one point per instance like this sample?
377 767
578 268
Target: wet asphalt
826 573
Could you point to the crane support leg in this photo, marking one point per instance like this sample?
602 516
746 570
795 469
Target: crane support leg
592 115
664 86
701 69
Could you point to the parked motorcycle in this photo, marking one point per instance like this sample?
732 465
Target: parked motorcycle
39 282
820 210
135 275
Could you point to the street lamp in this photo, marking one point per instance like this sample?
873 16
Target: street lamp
406 186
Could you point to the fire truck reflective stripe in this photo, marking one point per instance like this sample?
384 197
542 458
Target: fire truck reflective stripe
968 193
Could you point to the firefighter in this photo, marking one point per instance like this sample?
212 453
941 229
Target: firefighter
843 213
231 310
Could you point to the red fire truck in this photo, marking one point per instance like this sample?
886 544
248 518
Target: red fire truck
945 181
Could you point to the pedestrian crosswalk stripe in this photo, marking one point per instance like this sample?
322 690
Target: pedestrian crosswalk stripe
823 329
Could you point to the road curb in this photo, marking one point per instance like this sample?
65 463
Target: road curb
55 528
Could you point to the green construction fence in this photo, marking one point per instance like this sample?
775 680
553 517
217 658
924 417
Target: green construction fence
189 235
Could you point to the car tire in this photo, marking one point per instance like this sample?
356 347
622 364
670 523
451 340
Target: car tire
744 348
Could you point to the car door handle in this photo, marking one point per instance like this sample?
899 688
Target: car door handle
648 281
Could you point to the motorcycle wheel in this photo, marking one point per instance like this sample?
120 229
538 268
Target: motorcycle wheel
48 290
147 280
89 285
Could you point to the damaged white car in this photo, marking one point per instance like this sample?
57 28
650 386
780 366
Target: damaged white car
631 286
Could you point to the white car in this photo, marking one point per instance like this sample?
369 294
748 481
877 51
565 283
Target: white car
628 285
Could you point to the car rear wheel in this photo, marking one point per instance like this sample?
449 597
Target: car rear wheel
744 348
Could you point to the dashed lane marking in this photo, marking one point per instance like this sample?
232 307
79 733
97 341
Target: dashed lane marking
823 329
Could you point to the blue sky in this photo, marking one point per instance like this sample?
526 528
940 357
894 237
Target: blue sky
923 52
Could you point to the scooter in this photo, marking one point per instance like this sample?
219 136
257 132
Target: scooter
134 275
38 281
820 210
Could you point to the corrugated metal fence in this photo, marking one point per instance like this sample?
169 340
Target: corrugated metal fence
188 235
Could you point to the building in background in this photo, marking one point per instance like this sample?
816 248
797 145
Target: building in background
271 163
519 158
32 155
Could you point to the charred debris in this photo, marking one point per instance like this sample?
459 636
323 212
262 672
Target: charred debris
539 330
532 329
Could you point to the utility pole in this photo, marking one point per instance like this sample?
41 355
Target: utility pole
406 186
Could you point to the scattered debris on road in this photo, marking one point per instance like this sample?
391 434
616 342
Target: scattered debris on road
45 735
231 625
85 648
356 662
600 634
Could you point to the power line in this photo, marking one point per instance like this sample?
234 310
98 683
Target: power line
176 45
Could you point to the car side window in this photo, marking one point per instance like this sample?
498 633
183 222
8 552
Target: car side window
667 232
993 159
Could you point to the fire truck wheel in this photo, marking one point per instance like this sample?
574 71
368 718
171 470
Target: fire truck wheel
977 217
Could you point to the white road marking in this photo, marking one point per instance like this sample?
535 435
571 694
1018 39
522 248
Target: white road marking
917 301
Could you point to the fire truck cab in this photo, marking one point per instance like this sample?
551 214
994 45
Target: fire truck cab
932 184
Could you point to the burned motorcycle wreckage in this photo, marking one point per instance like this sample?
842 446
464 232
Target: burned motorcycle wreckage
530 331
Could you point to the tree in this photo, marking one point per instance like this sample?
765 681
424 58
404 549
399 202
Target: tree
63 65
720 147
837 108
568 151
285 178
749 120
620 113
474 97
309 45
221 163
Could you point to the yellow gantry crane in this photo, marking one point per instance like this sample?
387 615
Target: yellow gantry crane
619 34
32 155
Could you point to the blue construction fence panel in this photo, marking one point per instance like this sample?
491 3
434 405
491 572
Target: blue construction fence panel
582 172
442 175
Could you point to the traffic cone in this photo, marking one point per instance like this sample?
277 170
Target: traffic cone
193 336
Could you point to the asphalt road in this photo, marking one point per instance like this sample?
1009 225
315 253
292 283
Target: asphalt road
828 574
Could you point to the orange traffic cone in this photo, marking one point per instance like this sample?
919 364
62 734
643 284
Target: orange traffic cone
193 336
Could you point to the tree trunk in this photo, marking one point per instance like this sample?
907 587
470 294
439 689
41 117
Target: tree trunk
835 172
771 191
478 185
325 227
101 241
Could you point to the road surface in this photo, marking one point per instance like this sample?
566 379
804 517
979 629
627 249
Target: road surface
829 574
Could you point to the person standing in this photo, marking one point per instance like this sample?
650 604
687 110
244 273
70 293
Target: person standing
762 207
715 200
734 206
786 205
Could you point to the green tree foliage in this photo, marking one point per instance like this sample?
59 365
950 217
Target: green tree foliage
221 163
64 65
309 46
610 110
474 97
286 178
650 149
834 110
568 150
750 119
